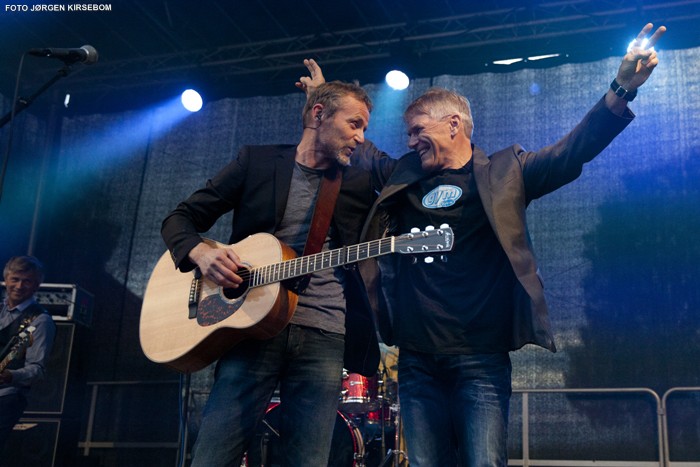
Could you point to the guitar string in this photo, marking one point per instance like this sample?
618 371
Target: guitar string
288 269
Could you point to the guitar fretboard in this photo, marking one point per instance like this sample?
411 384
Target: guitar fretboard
296 267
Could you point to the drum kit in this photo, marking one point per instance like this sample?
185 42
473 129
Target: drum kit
367 429
372 409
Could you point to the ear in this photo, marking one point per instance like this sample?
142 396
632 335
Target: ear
317 111
455 124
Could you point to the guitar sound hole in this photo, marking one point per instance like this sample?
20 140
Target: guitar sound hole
238 292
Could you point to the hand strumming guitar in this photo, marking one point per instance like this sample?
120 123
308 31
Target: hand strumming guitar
217 264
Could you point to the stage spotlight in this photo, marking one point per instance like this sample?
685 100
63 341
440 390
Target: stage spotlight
191 100
541 57
397 80
645 41
508 61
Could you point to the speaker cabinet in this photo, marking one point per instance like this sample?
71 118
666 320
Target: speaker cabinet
33 442
50 428
56 393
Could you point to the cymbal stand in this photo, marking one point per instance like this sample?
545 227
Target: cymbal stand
395 454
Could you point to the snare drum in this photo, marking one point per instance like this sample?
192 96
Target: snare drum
347 447
359 393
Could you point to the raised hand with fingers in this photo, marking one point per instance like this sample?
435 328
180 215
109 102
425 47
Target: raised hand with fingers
308 83
636 67
640 60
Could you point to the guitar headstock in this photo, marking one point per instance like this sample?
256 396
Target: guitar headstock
25 337
21 341
430 240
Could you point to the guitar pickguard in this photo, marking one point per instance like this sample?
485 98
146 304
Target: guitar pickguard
213 309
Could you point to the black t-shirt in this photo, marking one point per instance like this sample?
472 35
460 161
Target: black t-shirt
462 305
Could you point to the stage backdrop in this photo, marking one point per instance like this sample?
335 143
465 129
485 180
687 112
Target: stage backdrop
617 248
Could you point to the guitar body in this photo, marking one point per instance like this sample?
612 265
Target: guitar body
170 336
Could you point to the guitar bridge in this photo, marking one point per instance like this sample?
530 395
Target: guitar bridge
195 290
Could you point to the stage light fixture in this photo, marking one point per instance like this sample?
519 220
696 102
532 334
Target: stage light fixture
534 58
397 80
191 100
508 61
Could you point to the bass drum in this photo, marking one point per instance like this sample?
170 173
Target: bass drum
347 447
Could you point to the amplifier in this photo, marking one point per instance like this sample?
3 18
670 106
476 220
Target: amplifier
65 302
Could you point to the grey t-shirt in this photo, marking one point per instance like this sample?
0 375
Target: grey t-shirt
322 304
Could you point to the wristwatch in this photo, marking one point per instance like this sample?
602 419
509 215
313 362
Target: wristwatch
622 92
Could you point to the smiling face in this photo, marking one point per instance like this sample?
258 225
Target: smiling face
20 286
431 139
439 126
23 276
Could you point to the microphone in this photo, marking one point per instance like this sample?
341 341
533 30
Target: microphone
86 54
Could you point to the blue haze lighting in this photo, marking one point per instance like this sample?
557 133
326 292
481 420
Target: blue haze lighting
397 80
191 100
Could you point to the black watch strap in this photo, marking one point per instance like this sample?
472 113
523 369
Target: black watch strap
622 92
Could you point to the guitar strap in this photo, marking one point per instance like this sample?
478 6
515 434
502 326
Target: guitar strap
321 220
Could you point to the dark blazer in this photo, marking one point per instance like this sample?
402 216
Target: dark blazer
255 186
507 182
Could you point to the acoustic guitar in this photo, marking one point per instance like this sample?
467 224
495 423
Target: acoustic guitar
188 321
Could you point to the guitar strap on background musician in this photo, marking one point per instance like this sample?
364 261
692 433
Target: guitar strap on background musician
321 220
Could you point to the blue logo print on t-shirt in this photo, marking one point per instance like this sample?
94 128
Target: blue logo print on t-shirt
443 196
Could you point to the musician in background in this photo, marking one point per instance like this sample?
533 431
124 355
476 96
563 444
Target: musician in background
22 275
274 189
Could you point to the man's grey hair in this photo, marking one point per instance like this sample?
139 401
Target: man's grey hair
25 264
437 103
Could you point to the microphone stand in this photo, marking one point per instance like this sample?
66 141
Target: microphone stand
21 104
185 384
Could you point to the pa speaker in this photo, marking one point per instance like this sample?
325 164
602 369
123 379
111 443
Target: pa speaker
48 395
33 442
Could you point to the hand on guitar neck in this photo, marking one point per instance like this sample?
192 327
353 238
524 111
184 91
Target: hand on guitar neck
219 265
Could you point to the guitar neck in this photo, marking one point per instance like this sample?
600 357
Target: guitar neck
304 265
6 361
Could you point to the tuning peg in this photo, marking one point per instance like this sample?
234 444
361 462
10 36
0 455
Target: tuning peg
443 258
415 230
414 260
428 259
444 226
428 228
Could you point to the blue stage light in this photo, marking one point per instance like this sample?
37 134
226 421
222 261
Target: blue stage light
191 100
397 80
